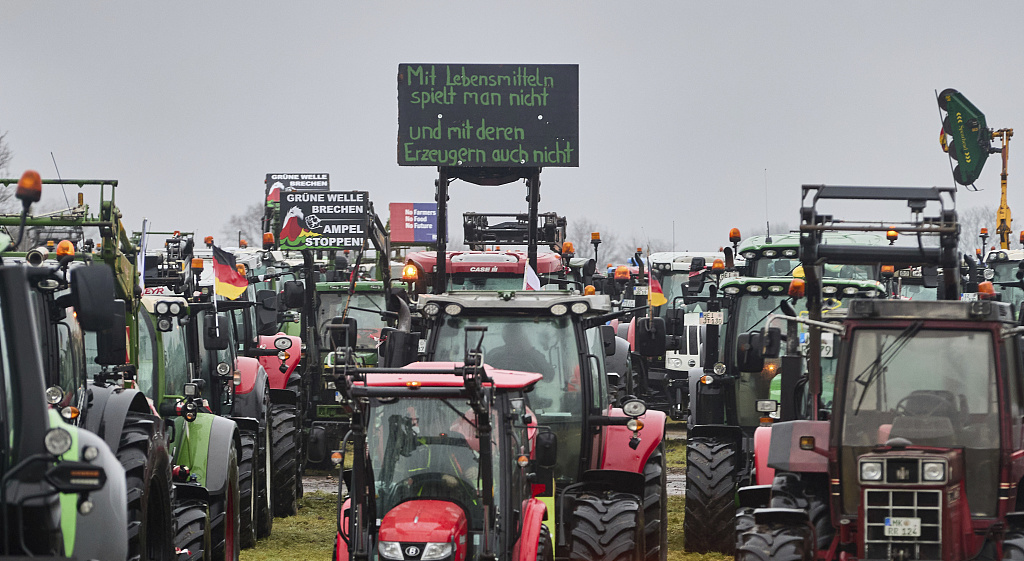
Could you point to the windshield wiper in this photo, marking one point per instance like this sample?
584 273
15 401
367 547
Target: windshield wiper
879 366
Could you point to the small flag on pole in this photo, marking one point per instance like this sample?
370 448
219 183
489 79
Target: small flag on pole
530 280
228 281
656 297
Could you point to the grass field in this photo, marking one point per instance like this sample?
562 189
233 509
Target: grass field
310 534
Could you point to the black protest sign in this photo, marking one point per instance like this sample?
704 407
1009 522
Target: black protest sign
323 219
277 182
488 115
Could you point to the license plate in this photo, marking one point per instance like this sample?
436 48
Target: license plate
903 527
639 291
628 303
712 318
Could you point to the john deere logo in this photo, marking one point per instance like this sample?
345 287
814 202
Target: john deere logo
412 551
903 474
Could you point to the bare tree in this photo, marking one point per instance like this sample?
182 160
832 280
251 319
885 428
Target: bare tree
248 225
6 193
972 221
609 251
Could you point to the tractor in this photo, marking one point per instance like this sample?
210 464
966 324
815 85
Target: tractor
925 393
445 460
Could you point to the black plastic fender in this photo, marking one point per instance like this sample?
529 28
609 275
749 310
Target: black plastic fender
718 432
249 404
284 397
754 496
108 409
103 533
190 491
223 434
601 480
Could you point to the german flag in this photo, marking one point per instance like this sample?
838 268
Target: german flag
228 281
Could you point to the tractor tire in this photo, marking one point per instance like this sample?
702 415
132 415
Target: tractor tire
710 496
264 498
606 529
285 461
192 540
295 384
1013 545
545 551
150 516
744 523
247 492
656 506
790 490
224 516
775 542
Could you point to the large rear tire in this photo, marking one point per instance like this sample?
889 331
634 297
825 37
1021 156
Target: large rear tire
607 529
192 539
656 506
776 542
285 461
264 500
545 551
794 490
710 496
150 522
295 384
247 492
224 515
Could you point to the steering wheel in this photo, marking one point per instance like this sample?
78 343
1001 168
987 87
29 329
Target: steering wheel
936 404
439 486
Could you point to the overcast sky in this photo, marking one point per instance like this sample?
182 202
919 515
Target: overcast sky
682 105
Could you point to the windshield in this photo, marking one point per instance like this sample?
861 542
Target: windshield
488 281
766 267
542 344
428 449
931 387
368 320
672 283
1006 281
751 313
915 290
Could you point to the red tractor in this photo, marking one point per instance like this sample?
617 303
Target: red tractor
925 394
478 270
446 457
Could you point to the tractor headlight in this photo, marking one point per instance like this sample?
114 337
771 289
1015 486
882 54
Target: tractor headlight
933 471
174 308
675 363
634 407
436 551
559 309
282 343
871 471
390 550
719 368
431 309
54 395
161 308
579 308
453 309
57 441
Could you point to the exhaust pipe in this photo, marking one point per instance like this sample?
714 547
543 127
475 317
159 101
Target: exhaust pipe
36 256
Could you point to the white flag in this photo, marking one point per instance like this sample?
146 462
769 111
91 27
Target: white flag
530 280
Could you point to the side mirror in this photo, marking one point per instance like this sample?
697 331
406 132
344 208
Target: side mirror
546 451
771 339
342 332
215 339
749 357
266 312
675 321
316 447
92 290
111 344
607 339
697 264
293 295
399 349
649 336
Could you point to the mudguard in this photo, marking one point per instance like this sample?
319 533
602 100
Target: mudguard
785 453
762 443
103 534
284 397
718 432
248 368
223 433
250 402
272 364
108 409
617 455
534 512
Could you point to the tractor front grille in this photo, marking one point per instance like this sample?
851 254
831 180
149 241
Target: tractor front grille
880 504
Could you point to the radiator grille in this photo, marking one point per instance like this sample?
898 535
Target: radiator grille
880 504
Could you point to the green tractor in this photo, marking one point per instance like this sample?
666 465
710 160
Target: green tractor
62 485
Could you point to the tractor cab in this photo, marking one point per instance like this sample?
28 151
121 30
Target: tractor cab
1002 268
768 256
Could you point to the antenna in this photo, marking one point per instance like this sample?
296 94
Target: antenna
59 177
767 227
